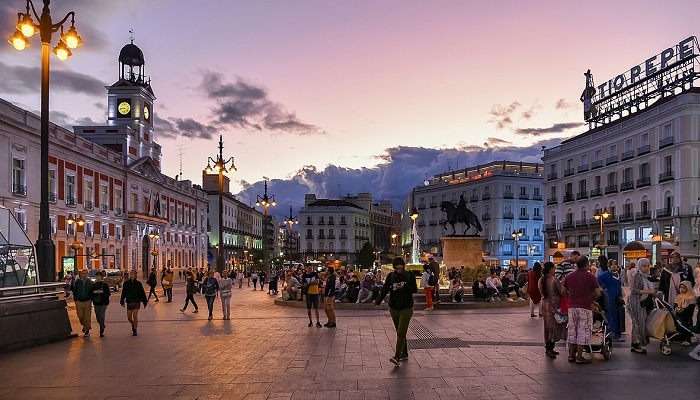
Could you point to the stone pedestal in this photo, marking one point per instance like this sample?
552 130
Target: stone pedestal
32 322
464 250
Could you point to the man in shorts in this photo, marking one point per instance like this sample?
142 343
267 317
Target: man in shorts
582 289
310 281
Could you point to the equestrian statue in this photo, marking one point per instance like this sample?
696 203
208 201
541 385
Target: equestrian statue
460 213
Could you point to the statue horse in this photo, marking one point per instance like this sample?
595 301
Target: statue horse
455 215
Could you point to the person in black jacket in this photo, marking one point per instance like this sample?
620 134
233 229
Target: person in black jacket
329 298
190 290
152 283
133 295
400 285
100 293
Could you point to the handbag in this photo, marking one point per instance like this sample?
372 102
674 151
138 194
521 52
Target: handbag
167 282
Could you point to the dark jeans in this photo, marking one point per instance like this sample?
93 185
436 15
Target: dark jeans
255 284
512 288
210 304
100 311
169 293
262 284
436 293
190 297
401 320
152 292
548 345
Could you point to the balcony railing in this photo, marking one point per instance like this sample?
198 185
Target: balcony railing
626 217
666 176
552 200
582 195
420 223
550 227
583 168
596 192
523 217
88 205
611 189
643 150
663 212
321 236
537 238
321 222
433 222
627 155
613 242
611 160
584 243
421 206
343 237
665 142
581 223
342 222
331 222
53 197
486 196
536 197
628 185
507 195
524 196
568 172
474 199
104 208
70 201
643 215
641 182
20 190
537 217
105 235
485 217
568 197
596 164
552 176
567 224
507 215
433 204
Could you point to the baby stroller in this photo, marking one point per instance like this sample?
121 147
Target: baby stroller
601 337
664 325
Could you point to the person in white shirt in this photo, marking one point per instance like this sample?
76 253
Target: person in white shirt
239 278
293 287
494 283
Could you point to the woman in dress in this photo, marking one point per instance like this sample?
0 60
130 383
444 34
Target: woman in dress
640 291
550 290
610 284
133 295
533 291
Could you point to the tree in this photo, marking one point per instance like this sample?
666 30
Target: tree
365 258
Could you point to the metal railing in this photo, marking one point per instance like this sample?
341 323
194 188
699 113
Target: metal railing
20 293
20 190
88 205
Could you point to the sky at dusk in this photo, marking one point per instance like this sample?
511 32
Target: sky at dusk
336 97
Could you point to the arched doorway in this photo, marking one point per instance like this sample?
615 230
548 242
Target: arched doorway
145 253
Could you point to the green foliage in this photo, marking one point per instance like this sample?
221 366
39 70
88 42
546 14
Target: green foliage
366 256
469 274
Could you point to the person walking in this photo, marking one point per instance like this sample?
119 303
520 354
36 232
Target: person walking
168 284
239 278
100 300
435 269
190 290
262 275
329 298
225 286
611 285
639 303
427 282
533 291
550 290
581 288
400 286
133 295
254 277
83 301
211 291
152 283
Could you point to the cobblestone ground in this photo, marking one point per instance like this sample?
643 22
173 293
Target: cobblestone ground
268 352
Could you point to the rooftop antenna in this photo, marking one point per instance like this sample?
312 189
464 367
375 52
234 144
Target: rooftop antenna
339 196
181 152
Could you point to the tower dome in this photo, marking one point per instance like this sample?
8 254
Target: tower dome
131 55
132 65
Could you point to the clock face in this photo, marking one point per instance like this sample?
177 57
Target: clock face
426 182
146 112
124 108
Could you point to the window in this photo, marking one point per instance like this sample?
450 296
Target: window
103 195
309 233
523 210
487 190
19 182
582 186
309 221
536 211
52 184
118 232
331 221
104 231
70 229
668 164
570 163
134 202
613 150
667 131
568 190
599 155
553 192
628 145
70 190
52 222
596 182
612 178
117 198
584 159
536 191
645 139
21 217
627 175
644 170
89 229
88 193
523 191
508 189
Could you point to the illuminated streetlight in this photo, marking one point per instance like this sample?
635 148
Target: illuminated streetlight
516 235
602 216
266 202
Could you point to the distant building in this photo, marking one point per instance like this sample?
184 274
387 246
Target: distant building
506 196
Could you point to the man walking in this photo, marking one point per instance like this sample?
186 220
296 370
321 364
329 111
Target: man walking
152 283
329 298
435 268
567 266
582 289
82 289
100 299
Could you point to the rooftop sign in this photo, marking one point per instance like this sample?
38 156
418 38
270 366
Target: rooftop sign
669 72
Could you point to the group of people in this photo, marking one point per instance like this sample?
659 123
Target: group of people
576 290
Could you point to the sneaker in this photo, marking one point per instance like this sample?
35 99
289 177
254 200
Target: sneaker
427 309
310 324
454 301
195 311
87 333
403 357
509 299
102 333
521 299
210 317
318 325
395 361
331 325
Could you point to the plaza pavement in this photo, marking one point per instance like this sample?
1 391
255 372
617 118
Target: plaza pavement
268 352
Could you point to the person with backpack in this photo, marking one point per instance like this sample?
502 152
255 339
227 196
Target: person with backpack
428 282
100 293
400 286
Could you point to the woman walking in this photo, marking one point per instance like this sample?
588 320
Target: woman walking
133 295
167 283
152 283
225 285
211 290
190 290
638 304
610 283
533 291
550 289
100 300
425 282
400 285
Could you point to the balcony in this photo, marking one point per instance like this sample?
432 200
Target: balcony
523 217
665 142
331 222
474 199
524 196
611 189
104 208
104 235
596 192
53 197
485 217
421 206
433 222
179 225
331 237
582 195
641 182
320 236
19 190
321 222
628 185
172 223
582 168
627 155
507 215
433 204
507 195
626 217
596 164
568 197
643 150
643 215
342 222
552 200
550 227
567 224
486 196
537 217
88 205
537 238
536 197
343 237
524 238
581 223
568 172
118 211
552 176
613 242
663 212
666 176
311 236
70 201
611 160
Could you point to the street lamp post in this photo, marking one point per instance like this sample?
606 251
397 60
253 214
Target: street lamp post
154 235
220 167
602 216
415 239
76 245
516 235
291 220
45 248
394 242
266 202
